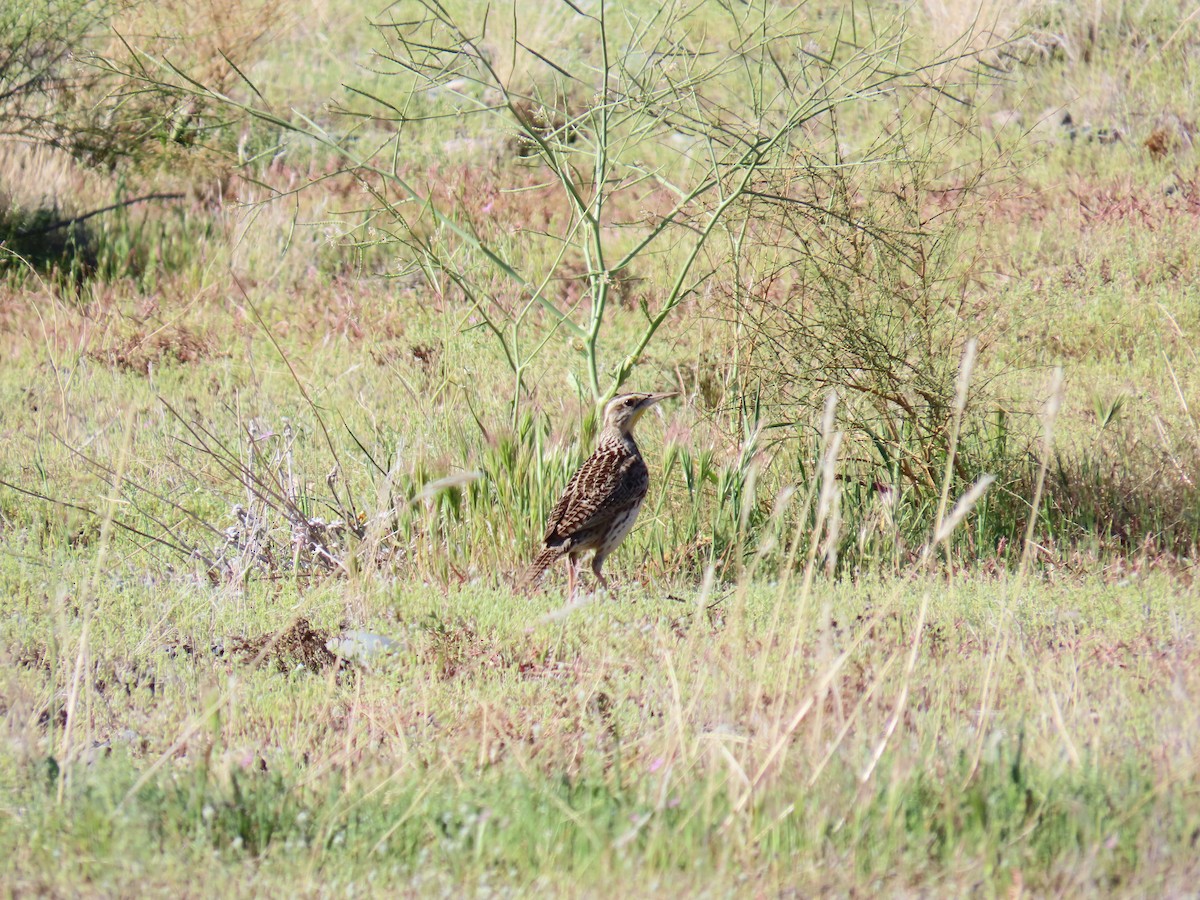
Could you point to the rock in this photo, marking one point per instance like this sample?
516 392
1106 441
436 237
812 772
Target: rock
361 647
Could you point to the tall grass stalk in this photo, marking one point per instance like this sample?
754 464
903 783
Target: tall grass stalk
962 386
67 751
826 499
1000 638
785 723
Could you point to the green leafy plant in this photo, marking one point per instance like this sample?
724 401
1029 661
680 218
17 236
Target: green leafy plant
653 144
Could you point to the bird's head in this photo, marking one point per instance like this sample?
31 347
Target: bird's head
623 410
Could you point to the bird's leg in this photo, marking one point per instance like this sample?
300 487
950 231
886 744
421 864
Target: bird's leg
597 562
572 575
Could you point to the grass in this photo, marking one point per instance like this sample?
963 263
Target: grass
245 428
496 745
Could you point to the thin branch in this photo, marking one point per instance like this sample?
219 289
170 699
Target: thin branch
75 220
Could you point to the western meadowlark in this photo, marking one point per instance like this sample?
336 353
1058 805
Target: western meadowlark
602 499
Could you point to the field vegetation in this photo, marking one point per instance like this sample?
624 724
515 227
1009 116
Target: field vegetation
306 314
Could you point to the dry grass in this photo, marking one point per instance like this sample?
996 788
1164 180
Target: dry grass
796 689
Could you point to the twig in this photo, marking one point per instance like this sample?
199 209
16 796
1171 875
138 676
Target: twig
75 220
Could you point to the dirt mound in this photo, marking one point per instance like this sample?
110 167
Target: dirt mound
299 645
139 352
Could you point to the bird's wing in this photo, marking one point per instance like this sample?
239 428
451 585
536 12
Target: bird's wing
598 485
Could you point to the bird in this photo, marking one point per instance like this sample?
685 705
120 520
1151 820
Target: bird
602 499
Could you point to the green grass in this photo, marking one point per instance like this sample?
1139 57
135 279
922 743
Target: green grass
742 718
497 748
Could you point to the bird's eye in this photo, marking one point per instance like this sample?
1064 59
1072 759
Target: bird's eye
632 401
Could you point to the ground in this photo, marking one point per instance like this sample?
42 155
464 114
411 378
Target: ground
265 490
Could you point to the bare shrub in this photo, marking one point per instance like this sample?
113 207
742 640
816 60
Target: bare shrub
868 289
652 130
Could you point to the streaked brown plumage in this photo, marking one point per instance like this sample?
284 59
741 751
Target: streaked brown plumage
602 499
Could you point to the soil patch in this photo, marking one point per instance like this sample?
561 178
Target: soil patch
299 645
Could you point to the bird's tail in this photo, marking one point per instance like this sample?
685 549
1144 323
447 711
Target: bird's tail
537 569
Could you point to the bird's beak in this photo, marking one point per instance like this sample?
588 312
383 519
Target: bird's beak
652 399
